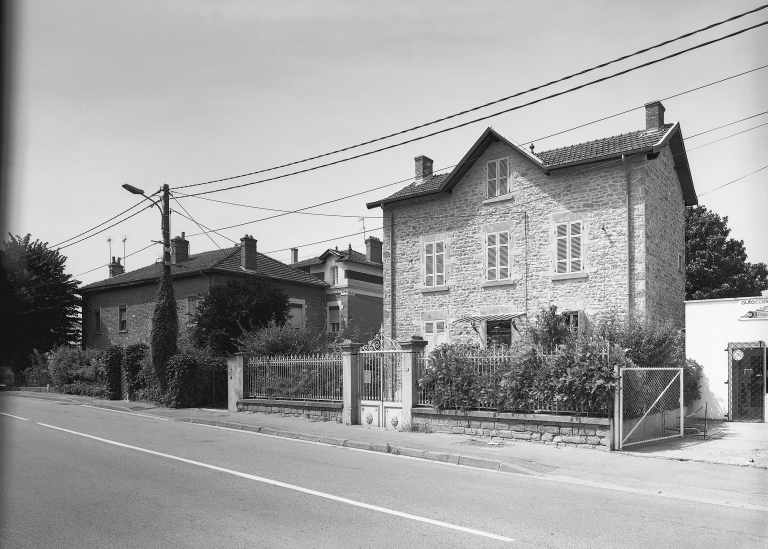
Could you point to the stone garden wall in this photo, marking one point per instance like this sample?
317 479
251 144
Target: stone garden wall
316 411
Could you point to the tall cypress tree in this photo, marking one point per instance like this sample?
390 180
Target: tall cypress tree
165 329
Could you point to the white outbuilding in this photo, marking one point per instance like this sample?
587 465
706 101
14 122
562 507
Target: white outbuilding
728 338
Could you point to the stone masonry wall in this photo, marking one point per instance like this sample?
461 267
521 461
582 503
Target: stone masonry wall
597 196
559 431
290 409
665 235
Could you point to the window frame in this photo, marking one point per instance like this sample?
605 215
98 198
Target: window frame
432 343
497 163
568 238
196 297
433 255
96 316
302 306
335 275
120 320
497 247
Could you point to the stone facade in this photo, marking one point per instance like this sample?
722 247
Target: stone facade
559 431
632 212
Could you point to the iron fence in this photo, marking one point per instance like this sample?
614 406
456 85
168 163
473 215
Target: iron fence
491 368
295 377
32 377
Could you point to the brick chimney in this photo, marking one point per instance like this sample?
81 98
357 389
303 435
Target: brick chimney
248 252
294 255
115 268
179 249
373 249
423 168
654 115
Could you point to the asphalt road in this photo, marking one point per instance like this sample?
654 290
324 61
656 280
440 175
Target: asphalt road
85 477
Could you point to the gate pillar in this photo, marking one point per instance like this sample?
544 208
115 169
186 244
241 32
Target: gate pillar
350 360
235 367
411 350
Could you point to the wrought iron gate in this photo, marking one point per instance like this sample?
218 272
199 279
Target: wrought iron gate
746 381
381 363
651 404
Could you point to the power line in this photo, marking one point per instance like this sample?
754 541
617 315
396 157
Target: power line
507 98
728 124
97 226
106 228
193 221
734 181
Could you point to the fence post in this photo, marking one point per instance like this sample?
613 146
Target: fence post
411 350
235 367
351 382
617 411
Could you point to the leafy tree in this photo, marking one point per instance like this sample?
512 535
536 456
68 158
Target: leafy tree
39 301
227 311
716 266
282 340
165 329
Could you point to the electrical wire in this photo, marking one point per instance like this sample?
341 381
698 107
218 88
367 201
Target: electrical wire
106 228
734 181
195 222
507 98
97 226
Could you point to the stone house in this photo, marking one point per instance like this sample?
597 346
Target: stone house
355 295
118 310
591 228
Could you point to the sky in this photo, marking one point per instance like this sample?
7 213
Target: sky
184 92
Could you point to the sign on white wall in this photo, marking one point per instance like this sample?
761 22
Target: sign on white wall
756 308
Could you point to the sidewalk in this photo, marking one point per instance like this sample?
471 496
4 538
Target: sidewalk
721 468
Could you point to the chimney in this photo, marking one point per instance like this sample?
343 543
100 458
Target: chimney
248 253
115 268
294 255
179 249
654 115
373 249
423 168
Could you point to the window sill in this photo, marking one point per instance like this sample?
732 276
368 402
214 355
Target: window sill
502 198
493 283
571 276
430 289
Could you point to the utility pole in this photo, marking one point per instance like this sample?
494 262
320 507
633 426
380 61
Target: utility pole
166 230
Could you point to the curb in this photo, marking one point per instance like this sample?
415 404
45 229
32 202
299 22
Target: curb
455 459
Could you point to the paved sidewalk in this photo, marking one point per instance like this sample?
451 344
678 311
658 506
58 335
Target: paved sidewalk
724 471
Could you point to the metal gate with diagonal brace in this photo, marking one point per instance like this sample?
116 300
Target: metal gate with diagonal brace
651 405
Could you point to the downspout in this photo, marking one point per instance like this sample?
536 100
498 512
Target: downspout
629 239
392 329
525 230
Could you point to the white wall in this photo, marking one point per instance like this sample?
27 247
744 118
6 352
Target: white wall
709 326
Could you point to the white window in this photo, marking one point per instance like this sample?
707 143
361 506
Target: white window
333 318
497 256
191 308
435 334
497 177
296 316
434 264
334 276
570 250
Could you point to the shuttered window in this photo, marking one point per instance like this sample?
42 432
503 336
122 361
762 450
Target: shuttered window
435 334
434 264
569 257
497 248
497 177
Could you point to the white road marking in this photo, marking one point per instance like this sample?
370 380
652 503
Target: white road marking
291 486
15 417
533 475
123 412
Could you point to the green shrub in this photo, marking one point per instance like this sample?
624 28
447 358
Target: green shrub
692 374
147 388
113 358
182 373
274 340
132 358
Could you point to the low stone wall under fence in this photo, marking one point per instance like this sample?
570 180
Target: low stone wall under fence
555 430
314 410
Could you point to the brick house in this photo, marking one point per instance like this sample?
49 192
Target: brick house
591 228
118 310
355 295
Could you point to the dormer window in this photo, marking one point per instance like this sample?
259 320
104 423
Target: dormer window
497 177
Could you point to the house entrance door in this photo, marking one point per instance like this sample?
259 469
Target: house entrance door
381 401
746 381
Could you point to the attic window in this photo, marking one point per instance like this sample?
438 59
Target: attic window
497 177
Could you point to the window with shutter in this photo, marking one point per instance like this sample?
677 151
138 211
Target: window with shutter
569 256
434 264
435 334
498 254
497 177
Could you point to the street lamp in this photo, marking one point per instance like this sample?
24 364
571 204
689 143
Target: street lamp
165 211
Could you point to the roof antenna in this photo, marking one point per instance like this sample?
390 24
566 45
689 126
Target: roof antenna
363 221
109 241
125 237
